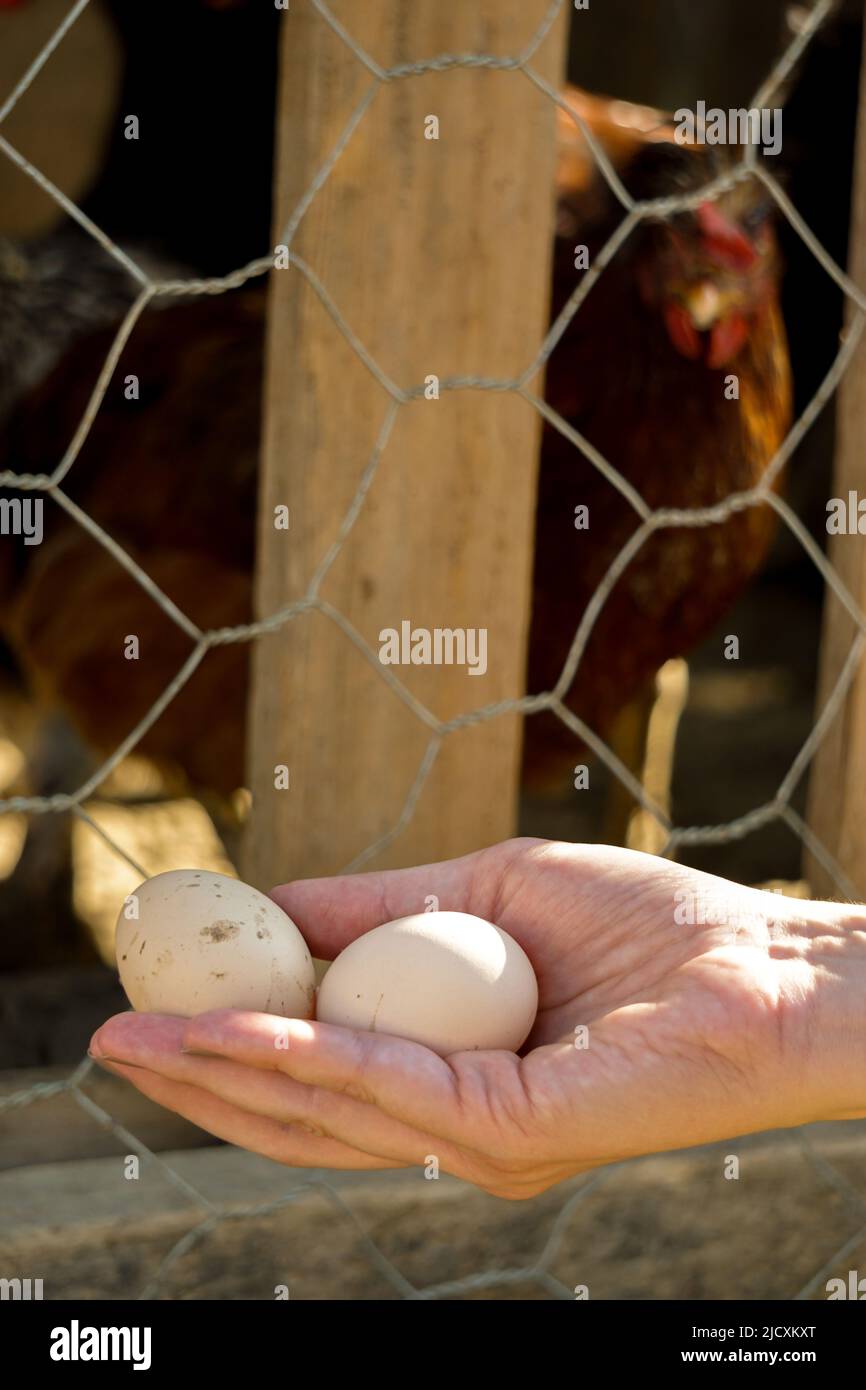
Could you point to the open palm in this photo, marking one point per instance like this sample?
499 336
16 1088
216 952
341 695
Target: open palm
665 1019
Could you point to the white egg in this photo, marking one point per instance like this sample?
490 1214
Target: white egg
445 979
190 940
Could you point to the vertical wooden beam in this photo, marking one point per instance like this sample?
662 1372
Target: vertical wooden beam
837 791
436 252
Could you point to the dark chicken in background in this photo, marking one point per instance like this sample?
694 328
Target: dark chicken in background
172 477
640 372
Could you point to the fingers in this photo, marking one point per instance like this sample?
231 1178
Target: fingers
331 912
140 1038
282 1143
249 1079
371 1100
404 1080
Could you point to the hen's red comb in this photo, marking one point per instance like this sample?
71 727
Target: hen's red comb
723 238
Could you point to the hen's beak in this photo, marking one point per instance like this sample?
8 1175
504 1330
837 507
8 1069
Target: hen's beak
705 310
705 306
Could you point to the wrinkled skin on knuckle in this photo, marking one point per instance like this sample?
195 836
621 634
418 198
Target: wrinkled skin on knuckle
506 1151
313 1121
497 1107
357 1087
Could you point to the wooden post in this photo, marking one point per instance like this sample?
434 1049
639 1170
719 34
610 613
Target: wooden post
837 792
436 251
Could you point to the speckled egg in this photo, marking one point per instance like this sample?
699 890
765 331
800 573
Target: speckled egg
190 940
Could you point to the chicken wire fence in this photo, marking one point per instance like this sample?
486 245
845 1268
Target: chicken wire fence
635 212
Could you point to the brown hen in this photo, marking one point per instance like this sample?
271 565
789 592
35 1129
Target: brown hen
641 373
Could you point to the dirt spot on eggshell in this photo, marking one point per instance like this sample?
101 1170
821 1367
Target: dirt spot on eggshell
220 931
264 934
273 985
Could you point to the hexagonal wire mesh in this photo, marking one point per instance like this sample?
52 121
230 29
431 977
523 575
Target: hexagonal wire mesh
749 167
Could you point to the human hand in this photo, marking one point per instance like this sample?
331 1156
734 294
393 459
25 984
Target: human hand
693 1032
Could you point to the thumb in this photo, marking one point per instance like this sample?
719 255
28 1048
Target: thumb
331 912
